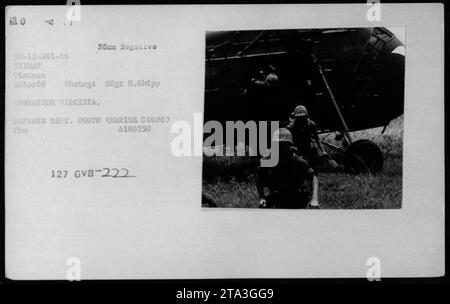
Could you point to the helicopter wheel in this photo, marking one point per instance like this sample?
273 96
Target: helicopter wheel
363 156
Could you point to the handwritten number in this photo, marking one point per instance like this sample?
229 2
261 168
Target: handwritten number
117 172
107 174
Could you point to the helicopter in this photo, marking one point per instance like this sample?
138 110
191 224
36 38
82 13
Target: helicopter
349 79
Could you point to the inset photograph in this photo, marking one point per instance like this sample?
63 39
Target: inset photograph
304 119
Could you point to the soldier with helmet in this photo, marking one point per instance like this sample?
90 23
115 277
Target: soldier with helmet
306 139
286 178
265 93
267 77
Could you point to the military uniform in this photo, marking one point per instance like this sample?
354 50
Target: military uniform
284 183
285 179
270 80
306 138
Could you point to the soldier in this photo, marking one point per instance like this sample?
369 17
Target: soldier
306 139
267 77
265 94
285 179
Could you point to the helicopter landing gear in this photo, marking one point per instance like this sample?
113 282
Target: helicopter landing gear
363 156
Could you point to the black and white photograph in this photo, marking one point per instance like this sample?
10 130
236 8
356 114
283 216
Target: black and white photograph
337 96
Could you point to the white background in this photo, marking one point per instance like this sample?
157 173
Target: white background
152 226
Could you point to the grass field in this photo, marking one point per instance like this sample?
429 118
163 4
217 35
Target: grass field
230 181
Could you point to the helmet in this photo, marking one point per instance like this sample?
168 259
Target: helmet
267 69
283 134
300 111
272 79
270 68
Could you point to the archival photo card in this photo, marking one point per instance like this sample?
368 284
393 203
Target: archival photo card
224 141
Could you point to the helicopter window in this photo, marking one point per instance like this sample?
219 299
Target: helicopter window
378 39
